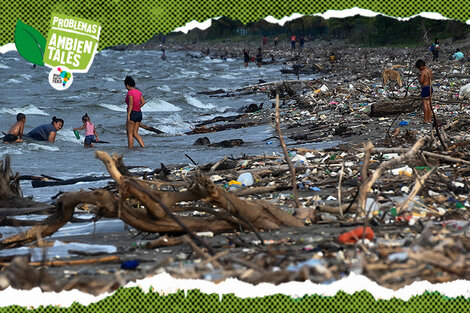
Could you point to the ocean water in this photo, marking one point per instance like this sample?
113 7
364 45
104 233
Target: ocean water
170 89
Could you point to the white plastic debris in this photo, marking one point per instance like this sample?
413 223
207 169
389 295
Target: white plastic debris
215 178
406 170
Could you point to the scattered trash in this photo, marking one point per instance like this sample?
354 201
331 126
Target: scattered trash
356 234
130 265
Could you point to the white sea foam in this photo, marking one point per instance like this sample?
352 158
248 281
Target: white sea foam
3 66
29 109
159 105
173 125
14 81
154 105
8 149
25 76
38 147
164 88
67 135
109 79
113 107
197 103
227 76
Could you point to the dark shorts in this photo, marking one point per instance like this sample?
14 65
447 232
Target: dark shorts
425 92
89 139
136 116
10 138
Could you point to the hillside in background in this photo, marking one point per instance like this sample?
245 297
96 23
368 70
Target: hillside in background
366 31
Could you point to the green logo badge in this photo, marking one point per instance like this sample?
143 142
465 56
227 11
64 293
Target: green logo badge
71 42
70 47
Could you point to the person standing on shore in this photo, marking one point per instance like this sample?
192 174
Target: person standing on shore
425 77
276 40
435 47
259 58
301 42
265 40
246 57
135 101
292 42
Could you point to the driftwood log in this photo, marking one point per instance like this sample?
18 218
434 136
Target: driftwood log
10 191
395 107
152 216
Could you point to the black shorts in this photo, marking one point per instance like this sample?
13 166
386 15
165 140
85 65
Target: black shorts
10 138
136 116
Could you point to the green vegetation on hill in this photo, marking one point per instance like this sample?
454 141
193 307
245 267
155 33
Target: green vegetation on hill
368 31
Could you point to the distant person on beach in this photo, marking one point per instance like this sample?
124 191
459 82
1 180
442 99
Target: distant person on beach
163 56
90 132
292 42
15 134
276 40
265 40
458 55
246 57
425 77
259 58
301 42
135 101
47 132
435 47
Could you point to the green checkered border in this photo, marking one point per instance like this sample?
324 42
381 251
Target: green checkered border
126 22
134 300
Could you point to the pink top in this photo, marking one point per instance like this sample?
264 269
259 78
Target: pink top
136 95
89 129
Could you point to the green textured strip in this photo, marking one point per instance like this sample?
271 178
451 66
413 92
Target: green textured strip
126 22
134 300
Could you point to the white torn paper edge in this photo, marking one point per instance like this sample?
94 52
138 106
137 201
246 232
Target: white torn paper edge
164 284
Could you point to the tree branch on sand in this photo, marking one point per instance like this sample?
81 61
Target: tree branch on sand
149 214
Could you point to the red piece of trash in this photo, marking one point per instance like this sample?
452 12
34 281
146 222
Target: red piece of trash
356 234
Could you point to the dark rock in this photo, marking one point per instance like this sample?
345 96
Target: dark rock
203 141
228 143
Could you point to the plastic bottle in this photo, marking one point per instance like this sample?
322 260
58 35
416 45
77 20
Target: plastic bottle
76 134
246 179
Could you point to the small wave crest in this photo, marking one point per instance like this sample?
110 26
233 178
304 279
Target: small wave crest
67 135
154 105
197 103
4 66
38 147
159 105
29 109
164 88
172 125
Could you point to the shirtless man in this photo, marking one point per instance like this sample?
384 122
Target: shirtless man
15 134
425 77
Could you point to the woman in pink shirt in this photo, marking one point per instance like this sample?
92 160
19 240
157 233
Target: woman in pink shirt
135 101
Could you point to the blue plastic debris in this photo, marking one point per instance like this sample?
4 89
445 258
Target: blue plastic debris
130 265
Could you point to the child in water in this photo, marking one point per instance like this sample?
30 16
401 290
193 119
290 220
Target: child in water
90 132
15 134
